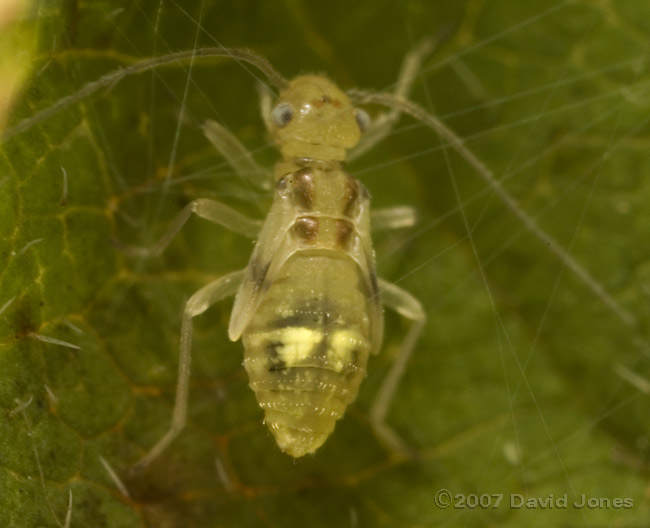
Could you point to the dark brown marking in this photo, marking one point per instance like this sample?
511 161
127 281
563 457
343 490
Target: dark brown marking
274 361
315 313
344 230
351 196
374 286
258 274
306 228
326 99
303 188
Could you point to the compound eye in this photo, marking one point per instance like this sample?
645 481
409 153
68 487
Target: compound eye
363 119
282 114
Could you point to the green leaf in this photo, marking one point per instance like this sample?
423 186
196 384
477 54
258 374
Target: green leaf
532 377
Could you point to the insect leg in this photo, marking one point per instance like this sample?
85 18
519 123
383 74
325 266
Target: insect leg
407 306
266 104
210 210
196 305
382 125
237 155
392 218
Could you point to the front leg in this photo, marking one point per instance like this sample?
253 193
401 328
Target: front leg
382 126
237 155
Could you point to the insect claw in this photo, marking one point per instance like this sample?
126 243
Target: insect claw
131 251
135 469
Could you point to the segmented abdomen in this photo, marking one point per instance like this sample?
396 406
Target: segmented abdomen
306 349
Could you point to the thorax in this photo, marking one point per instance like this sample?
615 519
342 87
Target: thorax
327 203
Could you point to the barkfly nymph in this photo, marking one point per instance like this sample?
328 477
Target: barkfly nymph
308 306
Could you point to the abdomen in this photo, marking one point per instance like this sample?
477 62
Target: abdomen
306 348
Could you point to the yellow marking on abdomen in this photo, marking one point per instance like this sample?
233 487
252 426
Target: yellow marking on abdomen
297 344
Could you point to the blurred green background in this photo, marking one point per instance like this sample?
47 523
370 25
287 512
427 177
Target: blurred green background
526 381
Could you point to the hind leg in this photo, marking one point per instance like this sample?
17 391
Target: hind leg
237 155
197 304
409 307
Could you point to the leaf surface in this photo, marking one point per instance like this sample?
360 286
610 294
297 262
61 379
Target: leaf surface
531 381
